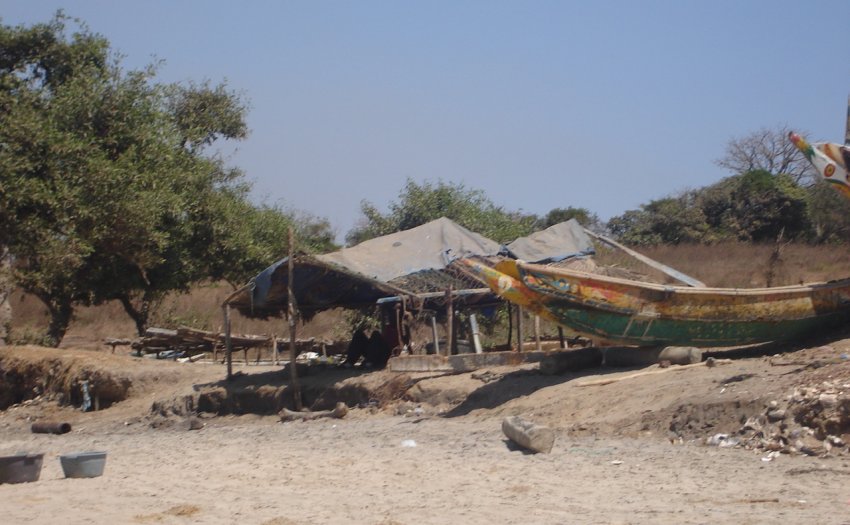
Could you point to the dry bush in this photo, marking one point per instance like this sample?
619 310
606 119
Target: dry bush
741 265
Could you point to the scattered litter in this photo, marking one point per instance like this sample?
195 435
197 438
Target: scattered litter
616 462
722 441
86 405
771 456
408 443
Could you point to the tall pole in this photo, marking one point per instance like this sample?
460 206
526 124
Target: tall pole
228 343
510 324
435 335
537 333
450 314
847 127
519 328
296 387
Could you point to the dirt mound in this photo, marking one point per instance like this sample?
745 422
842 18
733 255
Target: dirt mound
30 372
797 402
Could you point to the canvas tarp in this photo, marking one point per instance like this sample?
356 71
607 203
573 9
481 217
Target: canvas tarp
385 266
554 244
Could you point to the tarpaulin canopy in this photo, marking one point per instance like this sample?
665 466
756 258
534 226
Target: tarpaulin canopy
410 262
554 244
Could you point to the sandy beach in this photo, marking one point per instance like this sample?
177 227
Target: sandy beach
432 464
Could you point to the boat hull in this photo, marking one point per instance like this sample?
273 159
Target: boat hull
647 314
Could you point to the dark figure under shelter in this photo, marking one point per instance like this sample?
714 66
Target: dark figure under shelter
357 348
378 351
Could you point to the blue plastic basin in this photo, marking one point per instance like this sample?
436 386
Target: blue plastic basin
20 468
83 464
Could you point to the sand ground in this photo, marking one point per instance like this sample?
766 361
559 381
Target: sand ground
364 468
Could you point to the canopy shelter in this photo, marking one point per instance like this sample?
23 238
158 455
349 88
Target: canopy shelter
558 243
414 266
414 263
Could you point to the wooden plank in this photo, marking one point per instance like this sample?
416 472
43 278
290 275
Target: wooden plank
675 274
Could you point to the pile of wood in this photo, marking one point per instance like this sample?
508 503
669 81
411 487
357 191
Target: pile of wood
190 344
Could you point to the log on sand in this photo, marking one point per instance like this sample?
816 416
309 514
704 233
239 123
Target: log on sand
709 363
526 434
290 415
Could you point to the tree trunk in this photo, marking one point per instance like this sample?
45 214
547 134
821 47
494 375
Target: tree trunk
5 296
61 312
138 315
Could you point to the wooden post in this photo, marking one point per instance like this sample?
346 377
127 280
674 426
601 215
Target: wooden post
476 340
434 335
274 350
450 314
228 344
296 387
510 324
537 332
561 336
519 328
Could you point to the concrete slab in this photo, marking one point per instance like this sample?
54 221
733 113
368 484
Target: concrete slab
462 362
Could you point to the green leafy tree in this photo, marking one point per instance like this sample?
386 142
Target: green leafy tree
671 220
106 189
584 217
421 203
756 206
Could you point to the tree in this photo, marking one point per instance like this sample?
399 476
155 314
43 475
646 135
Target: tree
768 150
756 206
671 220
584 216
106 189
421 203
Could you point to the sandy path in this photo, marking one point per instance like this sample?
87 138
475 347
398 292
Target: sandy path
256 470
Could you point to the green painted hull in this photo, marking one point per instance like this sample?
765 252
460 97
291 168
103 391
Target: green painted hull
627 329
647 314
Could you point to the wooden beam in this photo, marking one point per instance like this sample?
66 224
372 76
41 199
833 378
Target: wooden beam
519 335
450 314
291 310
435 335
228 344
675 274
537 333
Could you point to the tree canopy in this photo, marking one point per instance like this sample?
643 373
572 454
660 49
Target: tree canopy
418 204
107 188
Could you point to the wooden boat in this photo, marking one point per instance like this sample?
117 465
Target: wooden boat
647 314
830 160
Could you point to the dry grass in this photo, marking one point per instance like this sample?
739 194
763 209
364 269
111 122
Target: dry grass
200 308
741 265
728 264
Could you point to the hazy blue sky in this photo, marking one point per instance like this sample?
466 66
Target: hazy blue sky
600 104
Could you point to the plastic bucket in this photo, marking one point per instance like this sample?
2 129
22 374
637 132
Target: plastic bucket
20 468
83 464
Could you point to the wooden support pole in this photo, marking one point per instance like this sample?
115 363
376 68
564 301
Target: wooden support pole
228 344
276 361
561 336
450 314
435 335
476 339
510 324
291 310
537 333
519 335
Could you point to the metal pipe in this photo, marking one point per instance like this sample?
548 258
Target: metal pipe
51 428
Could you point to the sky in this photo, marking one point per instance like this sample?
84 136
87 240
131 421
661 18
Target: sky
604 105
